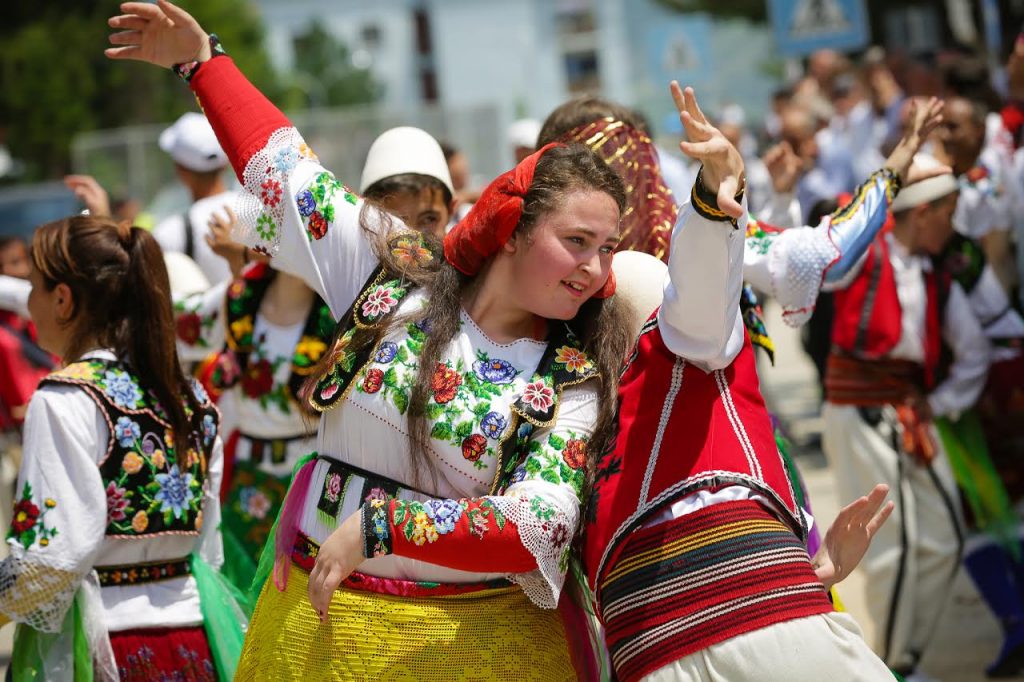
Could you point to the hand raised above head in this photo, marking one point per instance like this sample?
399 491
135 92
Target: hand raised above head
161 34
722 173
923 116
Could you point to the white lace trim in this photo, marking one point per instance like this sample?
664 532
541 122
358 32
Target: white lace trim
261 206
547 539
37 591
797 263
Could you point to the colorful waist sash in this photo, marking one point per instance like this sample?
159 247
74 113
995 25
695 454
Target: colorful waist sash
138 574
851 381
686 584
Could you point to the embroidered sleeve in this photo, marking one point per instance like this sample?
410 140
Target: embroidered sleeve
292 208
699 317
794 265
527 529
199 323
60 511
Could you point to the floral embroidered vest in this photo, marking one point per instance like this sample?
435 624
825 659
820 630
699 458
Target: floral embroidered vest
562 364
236 362
151 489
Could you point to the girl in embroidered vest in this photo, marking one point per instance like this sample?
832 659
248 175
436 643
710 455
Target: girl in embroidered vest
115 527
458 403
271 330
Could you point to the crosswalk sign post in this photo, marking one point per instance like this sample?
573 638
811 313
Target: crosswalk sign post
803 26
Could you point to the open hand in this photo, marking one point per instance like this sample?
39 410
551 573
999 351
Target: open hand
849 536
723 166
90 193
220 242
339 555
161 34
923 117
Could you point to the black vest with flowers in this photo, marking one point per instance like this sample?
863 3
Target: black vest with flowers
151 489
380 298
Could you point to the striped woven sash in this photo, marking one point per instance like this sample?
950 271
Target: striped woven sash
681 586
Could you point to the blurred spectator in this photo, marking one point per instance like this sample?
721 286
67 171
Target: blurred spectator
458 168
522 137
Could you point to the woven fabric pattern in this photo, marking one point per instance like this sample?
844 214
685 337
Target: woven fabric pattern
488 635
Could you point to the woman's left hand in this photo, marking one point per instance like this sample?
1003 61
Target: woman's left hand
339 555
849 536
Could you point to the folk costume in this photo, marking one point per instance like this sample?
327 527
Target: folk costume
258 372
114 543
695 549
903 332
483 545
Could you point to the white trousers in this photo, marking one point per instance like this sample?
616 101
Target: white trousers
913 559
825 647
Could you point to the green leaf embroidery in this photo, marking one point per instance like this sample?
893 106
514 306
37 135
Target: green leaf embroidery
401 401
556 442
441 431
464 430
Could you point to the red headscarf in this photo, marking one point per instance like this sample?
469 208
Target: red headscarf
490 223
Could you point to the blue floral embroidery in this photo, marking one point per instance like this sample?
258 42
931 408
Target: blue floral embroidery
175 492
495 371
445 514
285 159
493 425
122 389
127 432
209 429
200 393
306 203
387 352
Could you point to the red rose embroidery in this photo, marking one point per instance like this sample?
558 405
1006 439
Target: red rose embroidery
25 515
445 384
575 453
317 225
258 379
188 328
373 381
473 447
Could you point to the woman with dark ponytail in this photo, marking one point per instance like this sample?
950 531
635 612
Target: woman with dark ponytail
115 542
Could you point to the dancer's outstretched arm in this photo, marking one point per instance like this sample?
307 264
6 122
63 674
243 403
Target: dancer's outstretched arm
849 536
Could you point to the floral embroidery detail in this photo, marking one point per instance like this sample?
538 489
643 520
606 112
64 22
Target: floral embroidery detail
332 490
574 359
575 453
473 447
539 395
317 226
27 522
285 159
132 463
266 228
140 522
757 239
122 389
495 371
386 353
258 378
379 302
557 460
175 494
254 503
316 204
127 432
270 193
445 383
241 329
493 425
373 381
209 429
377 493
116 503
424 522
329 391
81 371
308 351
376 533
409 250
305 203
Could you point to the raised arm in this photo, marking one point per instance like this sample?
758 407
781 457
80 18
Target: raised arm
794 265
292 208
699 317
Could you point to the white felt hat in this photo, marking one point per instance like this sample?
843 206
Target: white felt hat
640 281
926 190
405 150
191 143
186 277
524 133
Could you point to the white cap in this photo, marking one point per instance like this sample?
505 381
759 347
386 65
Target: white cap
524 133
925 190
405 150
191 143
185 275
640 281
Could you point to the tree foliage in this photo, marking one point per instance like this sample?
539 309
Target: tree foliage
57 82
324 73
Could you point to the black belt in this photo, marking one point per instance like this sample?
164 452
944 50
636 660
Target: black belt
140 574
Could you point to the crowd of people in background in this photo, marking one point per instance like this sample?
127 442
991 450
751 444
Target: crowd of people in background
305 430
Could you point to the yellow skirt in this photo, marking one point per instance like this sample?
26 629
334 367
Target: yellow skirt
495 634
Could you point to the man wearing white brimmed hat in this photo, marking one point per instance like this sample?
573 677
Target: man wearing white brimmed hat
199 163
407 175
906 348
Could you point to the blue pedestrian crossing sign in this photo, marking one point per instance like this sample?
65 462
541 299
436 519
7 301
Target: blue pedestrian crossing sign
803 26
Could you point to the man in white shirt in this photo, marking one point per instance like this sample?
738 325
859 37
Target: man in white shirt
199 163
